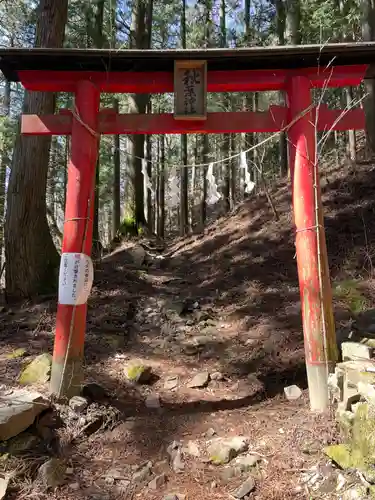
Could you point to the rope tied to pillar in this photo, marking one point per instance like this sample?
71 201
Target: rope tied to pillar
73 219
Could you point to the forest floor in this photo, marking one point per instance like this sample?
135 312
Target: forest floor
226 303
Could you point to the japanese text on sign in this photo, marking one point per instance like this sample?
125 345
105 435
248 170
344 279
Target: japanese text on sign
75 278
190 90
191 78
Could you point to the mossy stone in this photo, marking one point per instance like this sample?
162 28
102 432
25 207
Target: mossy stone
17 353
38 371
138 373
341 454
359 450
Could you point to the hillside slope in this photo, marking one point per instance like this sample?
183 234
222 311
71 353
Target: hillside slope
223 305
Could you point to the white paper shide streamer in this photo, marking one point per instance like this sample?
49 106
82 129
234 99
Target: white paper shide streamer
75 278
213 195
249 184
174 194
147 180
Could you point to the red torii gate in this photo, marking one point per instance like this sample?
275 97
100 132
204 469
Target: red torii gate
88 73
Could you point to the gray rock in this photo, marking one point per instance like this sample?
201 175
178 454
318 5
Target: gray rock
153 401
115 474
171 497
175 454
18 411
52 473
218 376
142 474
222 451
177 307
192 449
122 487
199 380
247 462
210 433
229 473
171 383
38 371
201 340
336 385
367 391
189 349
358 492
247 487
355 350
292 392
157 482
178 464
78 404
4 482
138 255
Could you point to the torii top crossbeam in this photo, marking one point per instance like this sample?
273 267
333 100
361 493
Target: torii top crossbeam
294 69
114 70
12 61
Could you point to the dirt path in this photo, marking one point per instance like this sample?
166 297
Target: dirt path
223 305
159 316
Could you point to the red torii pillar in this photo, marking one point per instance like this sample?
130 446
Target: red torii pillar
67 367
312 262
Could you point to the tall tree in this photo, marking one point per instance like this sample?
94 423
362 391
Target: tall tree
31 256
280 30
293 22
5 138
225 105
184 180
205 140
161 187
368 34
116 212
140 38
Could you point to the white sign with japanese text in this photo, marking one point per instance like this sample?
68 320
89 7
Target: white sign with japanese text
75 278
190 90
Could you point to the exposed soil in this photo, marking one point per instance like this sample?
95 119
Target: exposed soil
238 282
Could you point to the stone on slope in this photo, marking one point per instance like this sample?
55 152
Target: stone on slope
247 487
247 462
200 380
142 474
52 473
222 451
138 373
153 401
18 411
355 350
78 404
292 392
158 482
4 482
38 371
171 383
192 449
138 255
17 353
